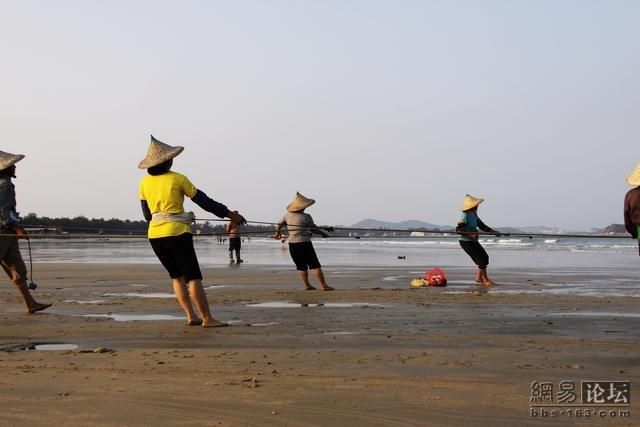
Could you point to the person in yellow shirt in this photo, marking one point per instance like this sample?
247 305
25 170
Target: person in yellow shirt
162 194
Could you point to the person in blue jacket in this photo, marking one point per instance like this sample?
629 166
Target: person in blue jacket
468 226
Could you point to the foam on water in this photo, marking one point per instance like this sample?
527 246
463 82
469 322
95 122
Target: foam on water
340 333
95 301
54 347
214 287
128 317
598 314
392 278
563 289
140 295
286 304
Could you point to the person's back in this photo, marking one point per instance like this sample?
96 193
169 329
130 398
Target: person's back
235 243
632 210
233 230
165 193
299 225
632 206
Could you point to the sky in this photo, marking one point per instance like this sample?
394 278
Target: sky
392 110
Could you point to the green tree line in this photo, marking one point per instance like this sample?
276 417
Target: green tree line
84 225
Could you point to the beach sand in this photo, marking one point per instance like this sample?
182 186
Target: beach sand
374 352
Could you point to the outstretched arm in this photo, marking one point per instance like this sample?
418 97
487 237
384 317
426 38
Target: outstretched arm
210 205
484 227
279 225
316 230
217 208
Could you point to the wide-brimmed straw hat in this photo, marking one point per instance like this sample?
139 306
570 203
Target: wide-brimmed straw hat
158 153
299 203
470 202
634 178
8 159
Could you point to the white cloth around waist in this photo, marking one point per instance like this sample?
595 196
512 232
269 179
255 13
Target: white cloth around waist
160 218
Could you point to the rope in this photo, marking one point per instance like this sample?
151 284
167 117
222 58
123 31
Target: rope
427 231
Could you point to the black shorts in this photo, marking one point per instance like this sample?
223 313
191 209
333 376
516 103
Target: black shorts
304 256
477 253
235 243
177 255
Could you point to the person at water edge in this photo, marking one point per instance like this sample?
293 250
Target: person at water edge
468 227
301 227
235 242
162 194
11 231
632 206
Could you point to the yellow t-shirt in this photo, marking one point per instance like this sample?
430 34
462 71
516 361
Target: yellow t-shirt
165 193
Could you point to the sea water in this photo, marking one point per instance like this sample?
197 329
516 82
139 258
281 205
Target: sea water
577 266
569 253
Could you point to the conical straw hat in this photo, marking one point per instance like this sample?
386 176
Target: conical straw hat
470 202
299 203
158 153
8 159
634 178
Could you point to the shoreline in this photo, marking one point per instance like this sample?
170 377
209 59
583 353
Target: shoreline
373 352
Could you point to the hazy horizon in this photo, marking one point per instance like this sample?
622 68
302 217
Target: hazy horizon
390 110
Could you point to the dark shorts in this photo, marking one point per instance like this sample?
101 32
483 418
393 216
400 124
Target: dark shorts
177 255
304 256
477 253
235 243
11 259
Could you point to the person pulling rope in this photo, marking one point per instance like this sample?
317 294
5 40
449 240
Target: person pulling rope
11 231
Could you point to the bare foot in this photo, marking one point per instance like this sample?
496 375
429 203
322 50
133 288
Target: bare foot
214 324
309 288
488 282
327 288
38 307
194 322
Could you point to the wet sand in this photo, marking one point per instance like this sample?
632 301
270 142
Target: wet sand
374 352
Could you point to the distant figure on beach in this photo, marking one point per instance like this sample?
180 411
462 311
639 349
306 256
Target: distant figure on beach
300 226
468 225
11 231
235 242
162 196
632 206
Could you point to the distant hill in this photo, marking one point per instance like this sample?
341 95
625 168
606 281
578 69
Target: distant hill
403 225
614 229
